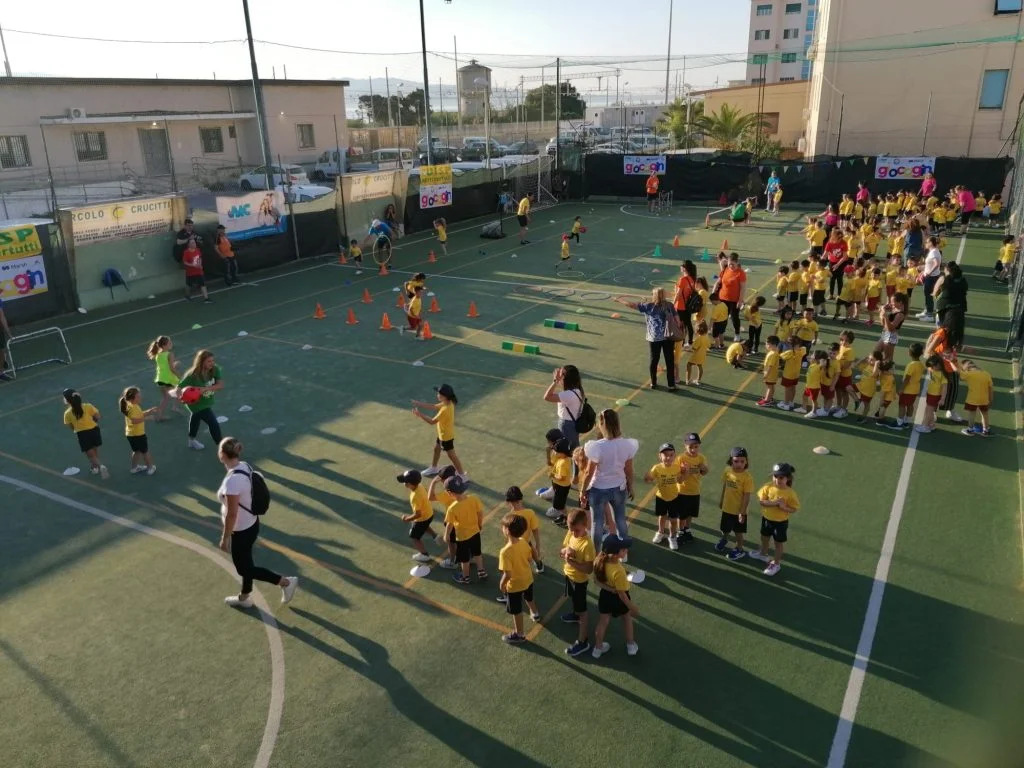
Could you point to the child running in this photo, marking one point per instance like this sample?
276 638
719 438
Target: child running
577 554
464 519
564 256
778 501
613 600
737 485
160 352
355 253
421 516
441 228
130 405
83 419
413 314
665 476
444 420
577 227
516 577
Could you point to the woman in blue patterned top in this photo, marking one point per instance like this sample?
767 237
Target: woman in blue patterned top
659 332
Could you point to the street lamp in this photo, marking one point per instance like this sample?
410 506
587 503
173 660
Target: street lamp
426 83
487 117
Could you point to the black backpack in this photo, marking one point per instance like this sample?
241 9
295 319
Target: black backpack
695 303
587 417
260 491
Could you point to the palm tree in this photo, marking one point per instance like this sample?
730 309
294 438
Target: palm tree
674 121
727 127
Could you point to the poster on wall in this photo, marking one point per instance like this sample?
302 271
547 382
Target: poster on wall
22 272
903 168
435 186
116 221
369 186
256 214
642 165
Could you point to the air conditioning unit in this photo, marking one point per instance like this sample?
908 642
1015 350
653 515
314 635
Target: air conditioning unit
75 113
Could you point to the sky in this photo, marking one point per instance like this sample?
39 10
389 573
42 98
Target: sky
359 40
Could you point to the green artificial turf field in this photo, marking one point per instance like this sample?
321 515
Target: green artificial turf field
117 649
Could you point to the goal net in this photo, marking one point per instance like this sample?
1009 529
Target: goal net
531 177
47 345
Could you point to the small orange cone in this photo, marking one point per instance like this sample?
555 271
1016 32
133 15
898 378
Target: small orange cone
385 323
401 301
342 259
351 318
472 310
675 241
319 314
383 269
427 335
431 259
725 245
366 296
434 306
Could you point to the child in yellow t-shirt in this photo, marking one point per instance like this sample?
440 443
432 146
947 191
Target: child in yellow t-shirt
665 476
560 472
83 419
812 387
421 515
782 289
130 405
613 600
578 555
516 583
876 282
444 421
770 371
867 385
979 397
778 501
564 255
887 386
1007 255
752 314
413 314
355 253
934 394
441 228
736 352
791 360
463 521
698 354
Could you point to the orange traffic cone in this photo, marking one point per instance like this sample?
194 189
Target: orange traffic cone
675 241
427 335
342 259
351 318
366 296
472 310
431 259
725 245
434 306
385 323
401 301
319 314
383 269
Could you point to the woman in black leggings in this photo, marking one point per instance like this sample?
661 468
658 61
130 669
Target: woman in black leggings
685 288
205 376
838 255
240 527
657 312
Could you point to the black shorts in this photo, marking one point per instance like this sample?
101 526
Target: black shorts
803 299
561 496
165 384
610 602
780 297
89 439
717 329
514 604
818 297
732 524
689 505
446 445
669 509
817 251
467 549
844 303
774 530
195 281
965 218
793 296
524 221
451 536
139 443
577 592
652 195
419 527
383 242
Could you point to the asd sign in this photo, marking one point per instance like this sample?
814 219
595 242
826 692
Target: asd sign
642 165
22 272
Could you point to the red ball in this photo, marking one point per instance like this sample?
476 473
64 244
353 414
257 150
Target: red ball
583 229
190 395
565 237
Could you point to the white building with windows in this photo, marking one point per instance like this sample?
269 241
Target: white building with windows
781 31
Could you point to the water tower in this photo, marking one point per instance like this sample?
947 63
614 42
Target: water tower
472 91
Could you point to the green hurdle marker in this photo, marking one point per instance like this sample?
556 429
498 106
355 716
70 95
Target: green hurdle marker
518 346
563 324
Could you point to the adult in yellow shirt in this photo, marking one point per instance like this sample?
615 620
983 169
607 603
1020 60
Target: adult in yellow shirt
979 397
737 486
523 216
83 419
778 501
516 576
692 468
578 555
444 420
464 520
665 476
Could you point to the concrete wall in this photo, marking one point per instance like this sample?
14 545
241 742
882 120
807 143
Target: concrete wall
787 100
882 86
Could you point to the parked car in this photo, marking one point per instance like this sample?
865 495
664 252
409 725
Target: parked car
441 155
327 166
563 142
421 145
286 174
617 148
479 142
303 193
522 148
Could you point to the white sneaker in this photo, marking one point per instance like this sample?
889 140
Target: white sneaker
546 493
784 406
195 445
954 417
821 412
658 537
798 409
104 472
811 415
236 602
552 513
94 470
772 569
632 649
924 429
673 543
422 557
757 555
151 470
288 592
137 470
841 413
430 471
599 650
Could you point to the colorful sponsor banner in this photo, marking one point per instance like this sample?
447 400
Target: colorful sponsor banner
22 272
369 186
903 168
642 165
114 221
435 175
435 186
256 214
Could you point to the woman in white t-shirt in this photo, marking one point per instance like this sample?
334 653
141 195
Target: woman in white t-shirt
569 399
930 274
240 527
609 475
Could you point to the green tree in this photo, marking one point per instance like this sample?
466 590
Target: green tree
728 127
763 147
684 133
573 106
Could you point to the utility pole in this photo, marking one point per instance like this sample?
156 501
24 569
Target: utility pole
261 107
387 86
426 86
668 56
7 61
458 80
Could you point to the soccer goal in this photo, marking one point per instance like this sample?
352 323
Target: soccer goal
532 177
47 345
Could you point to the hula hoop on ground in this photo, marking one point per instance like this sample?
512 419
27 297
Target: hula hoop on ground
623 279
571 272
629 297
526 290
595 296
559 291
382 253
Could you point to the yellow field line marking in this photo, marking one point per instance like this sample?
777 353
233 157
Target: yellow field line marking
269 544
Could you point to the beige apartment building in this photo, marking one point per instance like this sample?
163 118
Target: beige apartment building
87 131
778 38
782 108
949 81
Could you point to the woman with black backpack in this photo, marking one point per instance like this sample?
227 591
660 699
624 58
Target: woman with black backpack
574 415
243 496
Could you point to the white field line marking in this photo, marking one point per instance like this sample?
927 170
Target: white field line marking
855 684
276 708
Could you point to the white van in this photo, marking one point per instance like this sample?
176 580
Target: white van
391 158
327 166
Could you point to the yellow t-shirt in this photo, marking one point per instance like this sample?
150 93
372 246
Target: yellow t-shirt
666 479
689 467
936 381
821 279
874 288
795 281
782 285
904 283
615 578
1007 254
699 350
415 306
576 227
131 429
771 367
830 373
872 210
887 383
719 312
892 272
858 211
770 492
753 317
791 360
704 305
524 207
532 523
88 420
860 288
978 383
733 352
446 422
849 291
778 195
871 243
891 208
735 484
930 203
867 385
442 496
995 207
442 233
583 552
783 329
420 504
355 252
817 237
896 244
845 358
561 470
514 560
912 376
846 207
814 376
806 330
465 515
